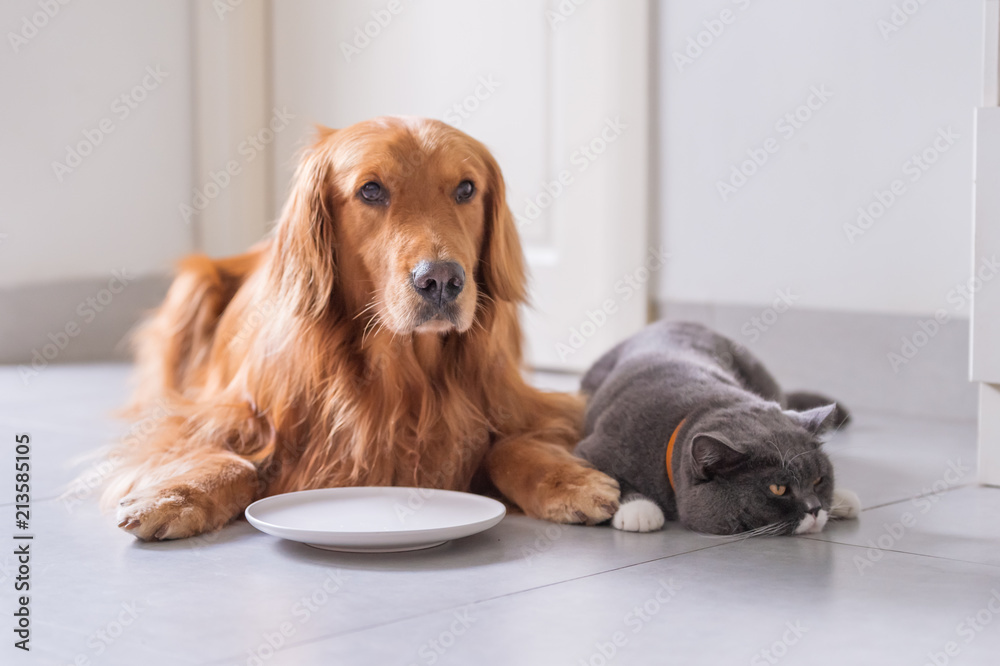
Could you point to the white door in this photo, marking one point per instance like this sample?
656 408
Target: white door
558 91
985 325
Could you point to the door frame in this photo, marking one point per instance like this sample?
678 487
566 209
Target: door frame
600 73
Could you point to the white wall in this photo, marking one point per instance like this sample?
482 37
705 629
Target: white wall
784 228
119 207
427 58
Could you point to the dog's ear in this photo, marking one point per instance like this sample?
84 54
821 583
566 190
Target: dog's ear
304 263
501 261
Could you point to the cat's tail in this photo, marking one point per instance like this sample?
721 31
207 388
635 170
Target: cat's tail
800 401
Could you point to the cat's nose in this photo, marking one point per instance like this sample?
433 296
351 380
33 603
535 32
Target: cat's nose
813 506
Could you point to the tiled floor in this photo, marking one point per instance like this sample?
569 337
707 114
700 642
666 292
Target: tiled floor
915 581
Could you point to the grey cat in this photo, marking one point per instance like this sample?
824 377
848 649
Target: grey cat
745 458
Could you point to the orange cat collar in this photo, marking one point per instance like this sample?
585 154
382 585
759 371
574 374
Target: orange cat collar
670 454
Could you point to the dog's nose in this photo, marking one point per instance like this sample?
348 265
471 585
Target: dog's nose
439 282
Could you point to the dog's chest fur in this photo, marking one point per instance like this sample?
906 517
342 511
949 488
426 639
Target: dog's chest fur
406 419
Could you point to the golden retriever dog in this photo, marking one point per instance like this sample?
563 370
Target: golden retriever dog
372 339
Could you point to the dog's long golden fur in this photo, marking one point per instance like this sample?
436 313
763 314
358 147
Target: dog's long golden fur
313 361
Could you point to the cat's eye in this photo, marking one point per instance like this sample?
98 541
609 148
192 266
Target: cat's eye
777 490
818 481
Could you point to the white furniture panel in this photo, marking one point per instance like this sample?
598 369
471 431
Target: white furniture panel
985 325
96 138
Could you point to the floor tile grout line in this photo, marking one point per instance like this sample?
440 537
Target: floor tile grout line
489 599
902 552
921 495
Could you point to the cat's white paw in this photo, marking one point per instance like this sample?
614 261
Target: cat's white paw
846 504
639 515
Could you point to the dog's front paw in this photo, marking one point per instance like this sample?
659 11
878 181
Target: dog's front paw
638 515
846 504
577 495
172 513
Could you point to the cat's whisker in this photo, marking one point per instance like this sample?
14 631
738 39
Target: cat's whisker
781 456
835 505
752 533
764 530
775 529
792 459
771 529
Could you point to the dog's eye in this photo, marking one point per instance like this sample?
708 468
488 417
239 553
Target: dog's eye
464 191
777 490
372 192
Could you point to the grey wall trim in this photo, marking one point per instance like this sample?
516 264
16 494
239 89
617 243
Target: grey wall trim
845 355
74 321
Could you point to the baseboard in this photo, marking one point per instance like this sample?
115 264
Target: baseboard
847 355
74 321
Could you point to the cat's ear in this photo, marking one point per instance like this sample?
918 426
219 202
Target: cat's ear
713 454
816 420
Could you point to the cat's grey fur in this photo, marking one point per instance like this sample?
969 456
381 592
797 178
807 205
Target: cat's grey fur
740 434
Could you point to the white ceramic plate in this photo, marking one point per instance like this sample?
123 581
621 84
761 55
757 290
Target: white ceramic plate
374 520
